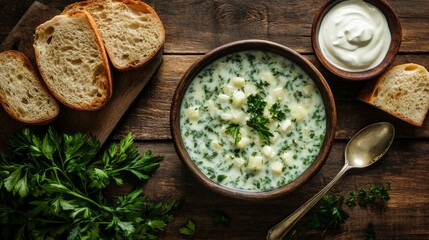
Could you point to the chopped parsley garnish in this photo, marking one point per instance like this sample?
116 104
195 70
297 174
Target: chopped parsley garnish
261 84
255 105
277 113
234 129
257 122
220 178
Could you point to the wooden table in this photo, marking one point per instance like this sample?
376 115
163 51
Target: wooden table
193 28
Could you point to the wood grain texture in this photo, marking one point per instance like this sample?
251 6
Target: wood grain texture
196 26
21 37
401 166
287 22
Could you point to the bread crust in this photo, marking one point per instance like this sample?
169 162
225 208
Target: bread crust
366 94
27 64
107 84
369 90
141 6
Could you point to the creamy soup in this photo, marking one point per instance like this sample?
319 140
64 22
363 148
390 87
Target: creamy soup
252 120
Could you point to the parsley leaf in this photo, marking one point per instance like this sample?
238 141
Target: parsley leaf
277 113
351 200
220 178
120 158
188 229
255 105
234 129
258 124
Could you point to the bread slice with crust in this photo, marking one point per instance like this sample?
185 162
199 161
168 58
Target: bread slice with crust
22 93
131 30
402 91
73 62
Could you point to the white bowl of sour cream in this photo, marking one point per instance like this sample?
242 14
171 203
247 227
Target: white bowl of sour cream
356 39
253 120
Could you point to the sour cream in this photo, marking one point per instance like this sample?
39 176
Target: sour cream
354 36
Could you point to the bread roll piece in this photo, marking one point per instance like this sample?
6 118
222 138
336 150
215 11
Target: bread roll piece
22 94
73 62
131 30
402 91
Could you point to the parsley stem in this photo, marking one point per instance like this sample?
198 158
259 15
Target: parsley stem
55 169
83 198
47 221
56 174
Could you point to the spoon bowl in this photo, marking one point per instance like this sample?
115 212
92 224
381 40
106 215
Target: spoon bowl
365 148
369 144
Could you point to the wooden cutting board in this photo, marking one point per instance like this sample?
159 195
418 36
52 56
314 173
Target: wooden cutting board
126 85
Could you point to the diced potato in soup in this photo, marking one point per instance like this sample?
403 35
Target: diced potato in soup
252 120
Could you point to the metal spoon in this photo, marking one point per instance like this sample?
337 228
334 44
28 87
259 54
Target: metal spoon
365 148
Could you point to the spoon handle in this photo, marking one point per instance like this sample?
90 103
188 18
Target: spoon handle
282 228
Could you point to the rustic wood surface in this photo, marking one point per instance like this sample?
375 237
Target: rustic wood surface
193 28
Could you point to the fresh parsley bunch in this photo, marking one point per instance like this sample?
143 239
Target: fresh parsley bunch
51 187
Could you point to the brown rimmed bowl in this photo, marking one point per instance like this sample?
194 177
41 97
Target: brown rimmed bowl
245 45
396 36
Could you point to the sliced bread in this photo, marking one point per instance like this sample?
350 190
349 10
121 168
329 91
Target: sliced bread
73 62
402 91
131 30
22 94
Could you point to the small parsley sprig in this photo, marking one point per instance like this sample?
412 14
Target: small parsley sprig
257 121
188 229
277 112
331 214
255 105
376 194
234 130
258 124
51 187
